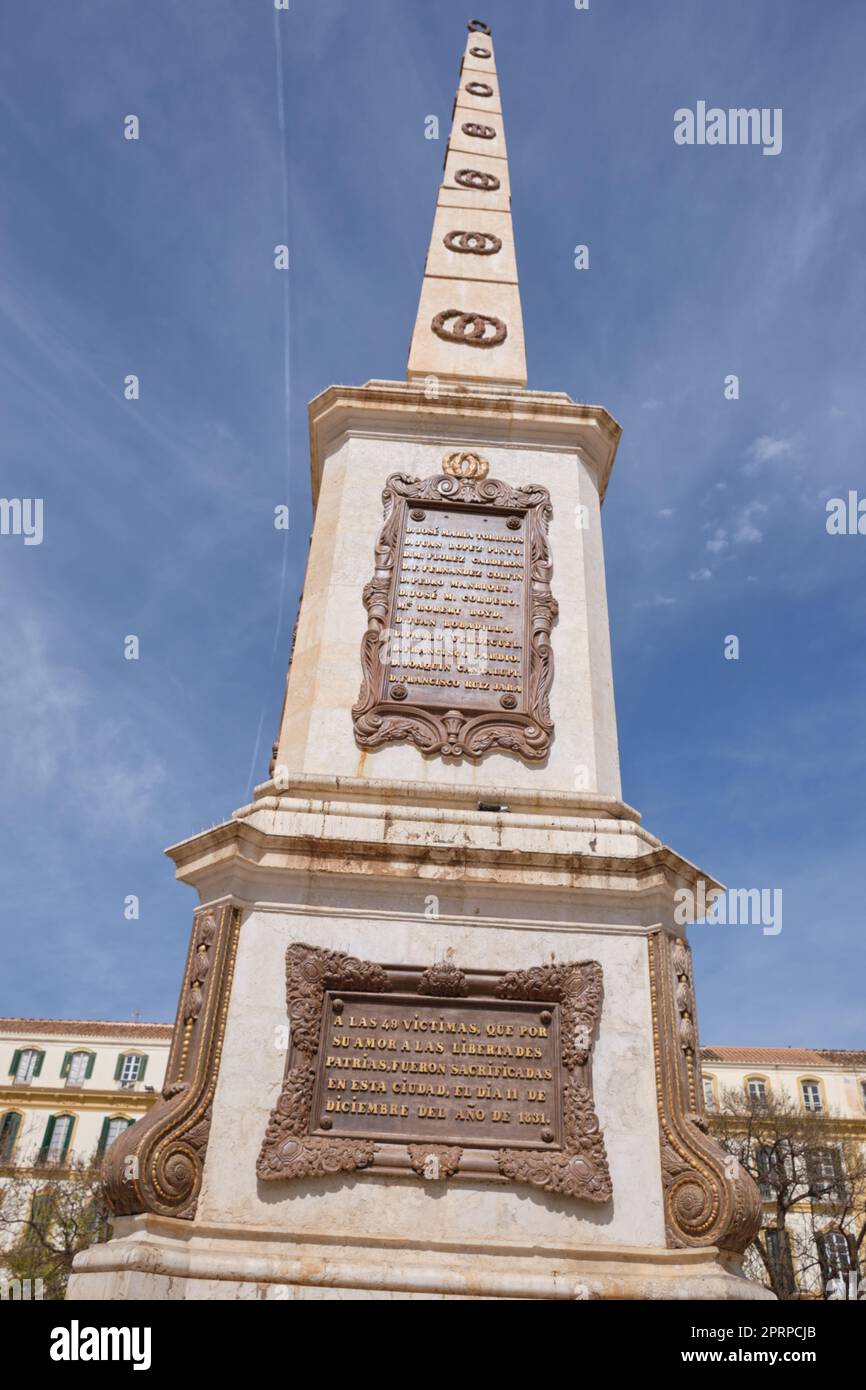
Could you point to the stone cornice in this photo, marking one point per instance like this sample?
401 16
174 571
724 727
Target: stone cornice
72 1098
510 417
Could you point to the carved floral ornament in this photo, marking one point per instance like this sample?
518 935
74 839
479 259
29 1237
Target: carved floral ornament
465 465
478 132
472 330
466 731
478 179
577 1168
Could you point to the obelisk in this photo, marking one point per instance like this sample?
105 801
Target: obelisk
436 1034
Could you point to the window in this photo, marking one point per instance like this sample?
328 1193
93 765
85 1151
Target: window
709 1093
55 1143
863 1093
112 1127
9 1126
825 1174
811 1091
834 1254
26 1063
130 1068
764 1164
756 1090
77 1067
781 1264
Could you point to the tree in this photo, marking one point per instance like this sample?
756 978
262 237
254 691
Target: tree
46 1217
812 1177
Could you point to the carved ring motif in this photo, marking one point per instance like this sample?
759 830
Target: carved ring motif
477 178
479 89
477 26
480 52
475 330
465 465
478 243
478 132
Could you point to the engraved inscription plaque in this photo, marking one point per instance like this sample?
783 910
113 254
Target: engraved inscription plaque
480 1075
470 1072
457 656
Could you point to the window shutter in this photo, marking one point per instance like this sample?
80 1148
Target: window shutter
103 1137
40 1058
143 1069
67 1063
69 1128
9 1128
16 1058
119 1068
89 1069
49 1130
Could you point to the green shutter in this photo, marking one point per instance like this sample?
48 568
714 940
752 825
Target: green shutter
69 1128
119 1068
16 1058
103 1137
89 1068
9 1128
67 1063
40 1058
46 1138
143 1068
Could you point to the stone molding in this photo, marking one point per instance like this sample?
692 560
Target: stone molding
157 1164
704 1206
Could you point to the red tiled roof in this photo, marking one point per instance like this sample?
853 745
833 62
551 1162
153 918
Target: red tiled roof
86 1027
783 1056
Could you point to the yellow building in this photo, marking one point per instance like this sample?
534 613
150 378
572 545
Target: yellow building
796 1117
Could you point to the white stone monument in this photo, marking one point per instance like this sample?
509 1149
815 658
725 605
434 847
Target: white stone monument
436 1034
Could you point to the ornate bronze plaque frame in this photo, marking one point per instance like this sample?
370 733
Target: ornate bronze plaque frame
572 1164
465 731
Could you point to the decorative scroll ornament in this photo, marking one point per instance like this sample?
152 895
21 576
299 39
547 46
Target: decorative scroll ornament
478 132
459 732
480 52
479 89
477 26
478 243
477 178
704 1203
462 465
157 1164
577 1168
473 330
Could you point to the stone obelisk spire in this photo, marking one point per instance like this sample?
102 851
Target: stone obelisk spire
469 325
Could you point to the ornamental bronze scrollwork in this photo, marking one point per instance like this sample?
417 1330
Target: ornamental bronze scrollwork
477 179
704 1204
157 1164
477 131
473 330
476 243
473 729
571 1163
479 89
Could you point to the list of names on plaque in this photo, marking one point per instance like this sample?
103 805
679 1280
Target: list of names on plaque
459 614
458 1071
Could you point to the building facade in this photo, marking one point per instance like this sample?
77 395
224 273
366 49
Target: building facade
798 1118
68 1088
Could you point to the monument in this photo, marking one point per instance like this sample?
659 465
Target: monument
436 1034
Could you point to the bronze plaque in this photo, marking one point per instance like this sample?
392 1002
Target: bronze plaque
473 1075
457 656
466 1071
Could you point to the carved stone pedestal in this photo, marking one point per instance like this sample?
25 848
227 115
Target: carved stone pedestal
424 1050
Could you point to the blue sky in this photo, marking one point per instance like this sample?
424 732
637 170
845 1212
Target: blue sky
155 257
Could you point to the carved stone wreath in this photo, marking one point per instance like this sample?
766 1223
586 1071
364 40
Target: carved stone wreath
464 732
478 179
478 132
479 89
477 26
472 330
480 52
476 243
577 1169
